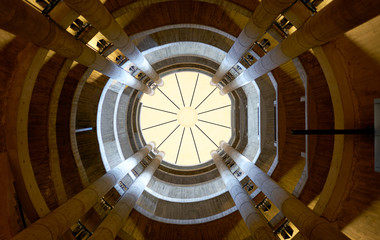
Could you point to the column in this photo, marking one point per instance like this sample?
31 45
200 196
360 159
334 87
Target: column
117 218
336 18
262 18
309 224
255 221
35 27
98 15
53 225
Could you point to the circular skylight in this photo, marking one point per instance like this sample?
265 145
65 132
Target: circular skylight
186 118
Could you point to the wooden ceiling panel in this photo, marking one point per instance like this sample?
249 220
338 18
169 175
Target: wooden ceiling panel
245 7
140 16
162 14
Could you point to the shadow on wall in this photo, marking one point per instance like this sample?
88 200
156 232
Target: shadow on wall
320 116
291 116
356 62
38 127
87 141
71 179
10 217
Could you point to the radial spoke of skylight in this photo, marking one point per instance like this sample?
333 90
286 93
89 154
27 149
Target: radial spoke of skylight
195 87
214 109
158 125
205 98
195 145
179 88
161 110
180 144
219 125
168 136
206 136
167 97
214 132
